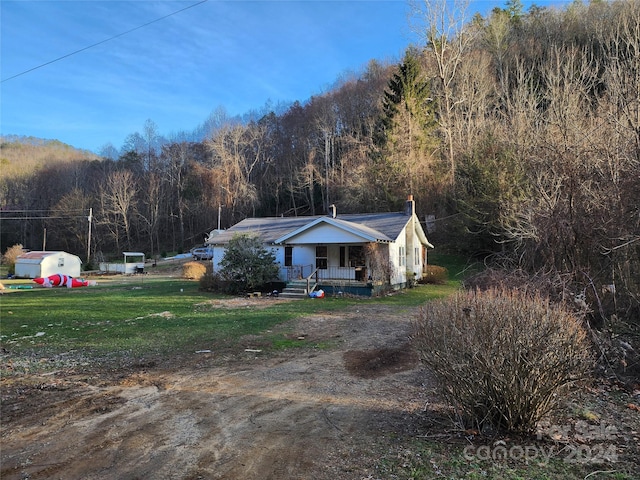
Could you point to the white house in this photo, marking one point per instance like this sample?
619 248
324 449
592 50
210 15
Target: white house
361 251
43 264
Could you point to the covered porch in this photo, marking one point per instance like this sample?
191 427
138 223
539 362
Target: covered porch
334 262
332 280
333 268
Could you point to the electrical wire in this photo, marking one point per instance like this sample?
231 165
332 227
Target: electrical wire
102 41
41 214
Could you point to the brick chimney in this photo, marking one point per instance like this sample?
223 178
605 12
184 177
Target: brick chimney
410 206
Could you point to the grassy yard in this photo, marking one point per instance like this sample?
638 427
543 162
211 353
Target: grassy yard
127 318
149 315
457 266
517 460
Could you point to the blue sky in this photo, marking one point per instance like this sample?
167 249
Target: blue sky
237 55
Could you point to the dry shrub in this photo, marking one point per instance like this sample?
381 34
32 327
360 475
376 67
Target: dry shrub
10 256
502 357
193 270
434 274
211 282
551 284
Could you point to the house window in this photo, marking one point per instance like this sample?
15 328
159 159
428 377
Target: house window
343 256
402 260
321 257
288 256
416 256
356 256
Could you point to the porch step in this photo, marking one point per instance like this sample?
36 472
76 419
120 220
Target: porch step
293 293
296 289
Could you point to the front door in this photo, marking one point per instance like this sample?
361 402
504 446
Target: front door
321 257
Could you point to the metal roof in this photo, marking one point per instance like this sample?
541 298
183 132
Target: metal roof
37 255
381 227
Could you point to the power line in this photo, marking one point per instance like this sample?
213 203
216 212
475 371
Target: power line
55 217
46 210
103 41
42 214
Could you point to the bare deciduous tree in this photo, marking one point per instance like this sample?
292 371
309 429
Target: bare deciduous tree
443 27
117 205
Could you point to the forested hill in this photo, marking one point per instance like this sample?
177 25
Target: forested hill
25 154
519 131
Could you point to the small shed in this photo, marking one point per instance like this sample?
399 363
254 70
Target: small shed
43 264
133 263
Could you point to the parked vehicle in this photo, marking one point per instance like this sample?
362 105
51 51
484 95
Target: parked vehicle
202 253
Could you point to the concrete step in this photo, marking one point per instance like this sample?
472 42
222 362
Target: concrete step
296 289
294 292
292 295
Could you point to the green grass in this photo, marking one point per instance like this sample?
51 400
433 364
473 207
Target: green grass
125 318
148 315
424 459
458 267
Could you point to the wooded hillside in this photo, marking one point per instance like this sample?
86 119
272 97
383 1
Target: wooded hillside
519 131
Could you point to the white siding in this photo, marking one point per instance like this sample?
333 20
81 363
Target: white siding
27 270
324 234
218 253
56 262
400 277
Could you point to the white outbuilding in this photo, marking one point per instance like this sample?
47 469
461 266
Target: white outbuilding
44 264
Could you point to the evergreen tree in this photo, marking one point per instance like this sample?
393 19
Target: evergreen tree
247 265
405 138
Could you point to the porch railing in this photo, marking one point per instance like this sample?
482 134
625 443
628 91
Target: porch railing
310 279
341 275
297 272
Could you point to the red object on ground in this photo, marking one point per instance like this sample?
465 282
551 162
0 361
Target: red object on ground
60 280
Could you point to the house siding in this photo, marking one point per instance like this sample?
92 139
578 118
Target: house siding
399 274
329 235
398 236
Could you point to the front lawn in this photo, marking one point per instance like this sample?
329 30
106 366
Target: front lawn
146 315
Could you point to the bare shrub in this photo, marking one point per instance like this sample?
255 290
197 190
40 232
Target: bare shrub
435 274
212 282
553 284
502 357
193 270
10 256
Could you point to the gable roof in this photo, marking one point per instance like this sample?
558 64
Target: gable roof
372 227
358 229
268 229
36 257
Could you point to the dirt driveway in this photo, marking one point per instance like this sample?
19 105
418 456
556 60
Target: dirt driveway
325 413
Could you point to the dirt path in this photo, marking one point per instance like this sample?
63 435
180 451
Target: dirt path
304 414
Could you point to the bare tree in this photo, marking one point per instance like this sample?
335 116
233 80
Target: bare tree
178 156
443 27
150 209
236 151
117 204
70 224
153 143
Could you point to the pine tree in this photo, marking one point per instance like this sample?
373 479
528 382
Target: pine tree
405 138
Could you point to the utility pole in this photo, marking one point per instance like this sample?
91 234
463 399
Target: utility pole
327 145
89 218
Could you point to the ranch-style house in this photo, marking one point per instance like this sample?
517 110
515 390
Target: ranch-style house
356 253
